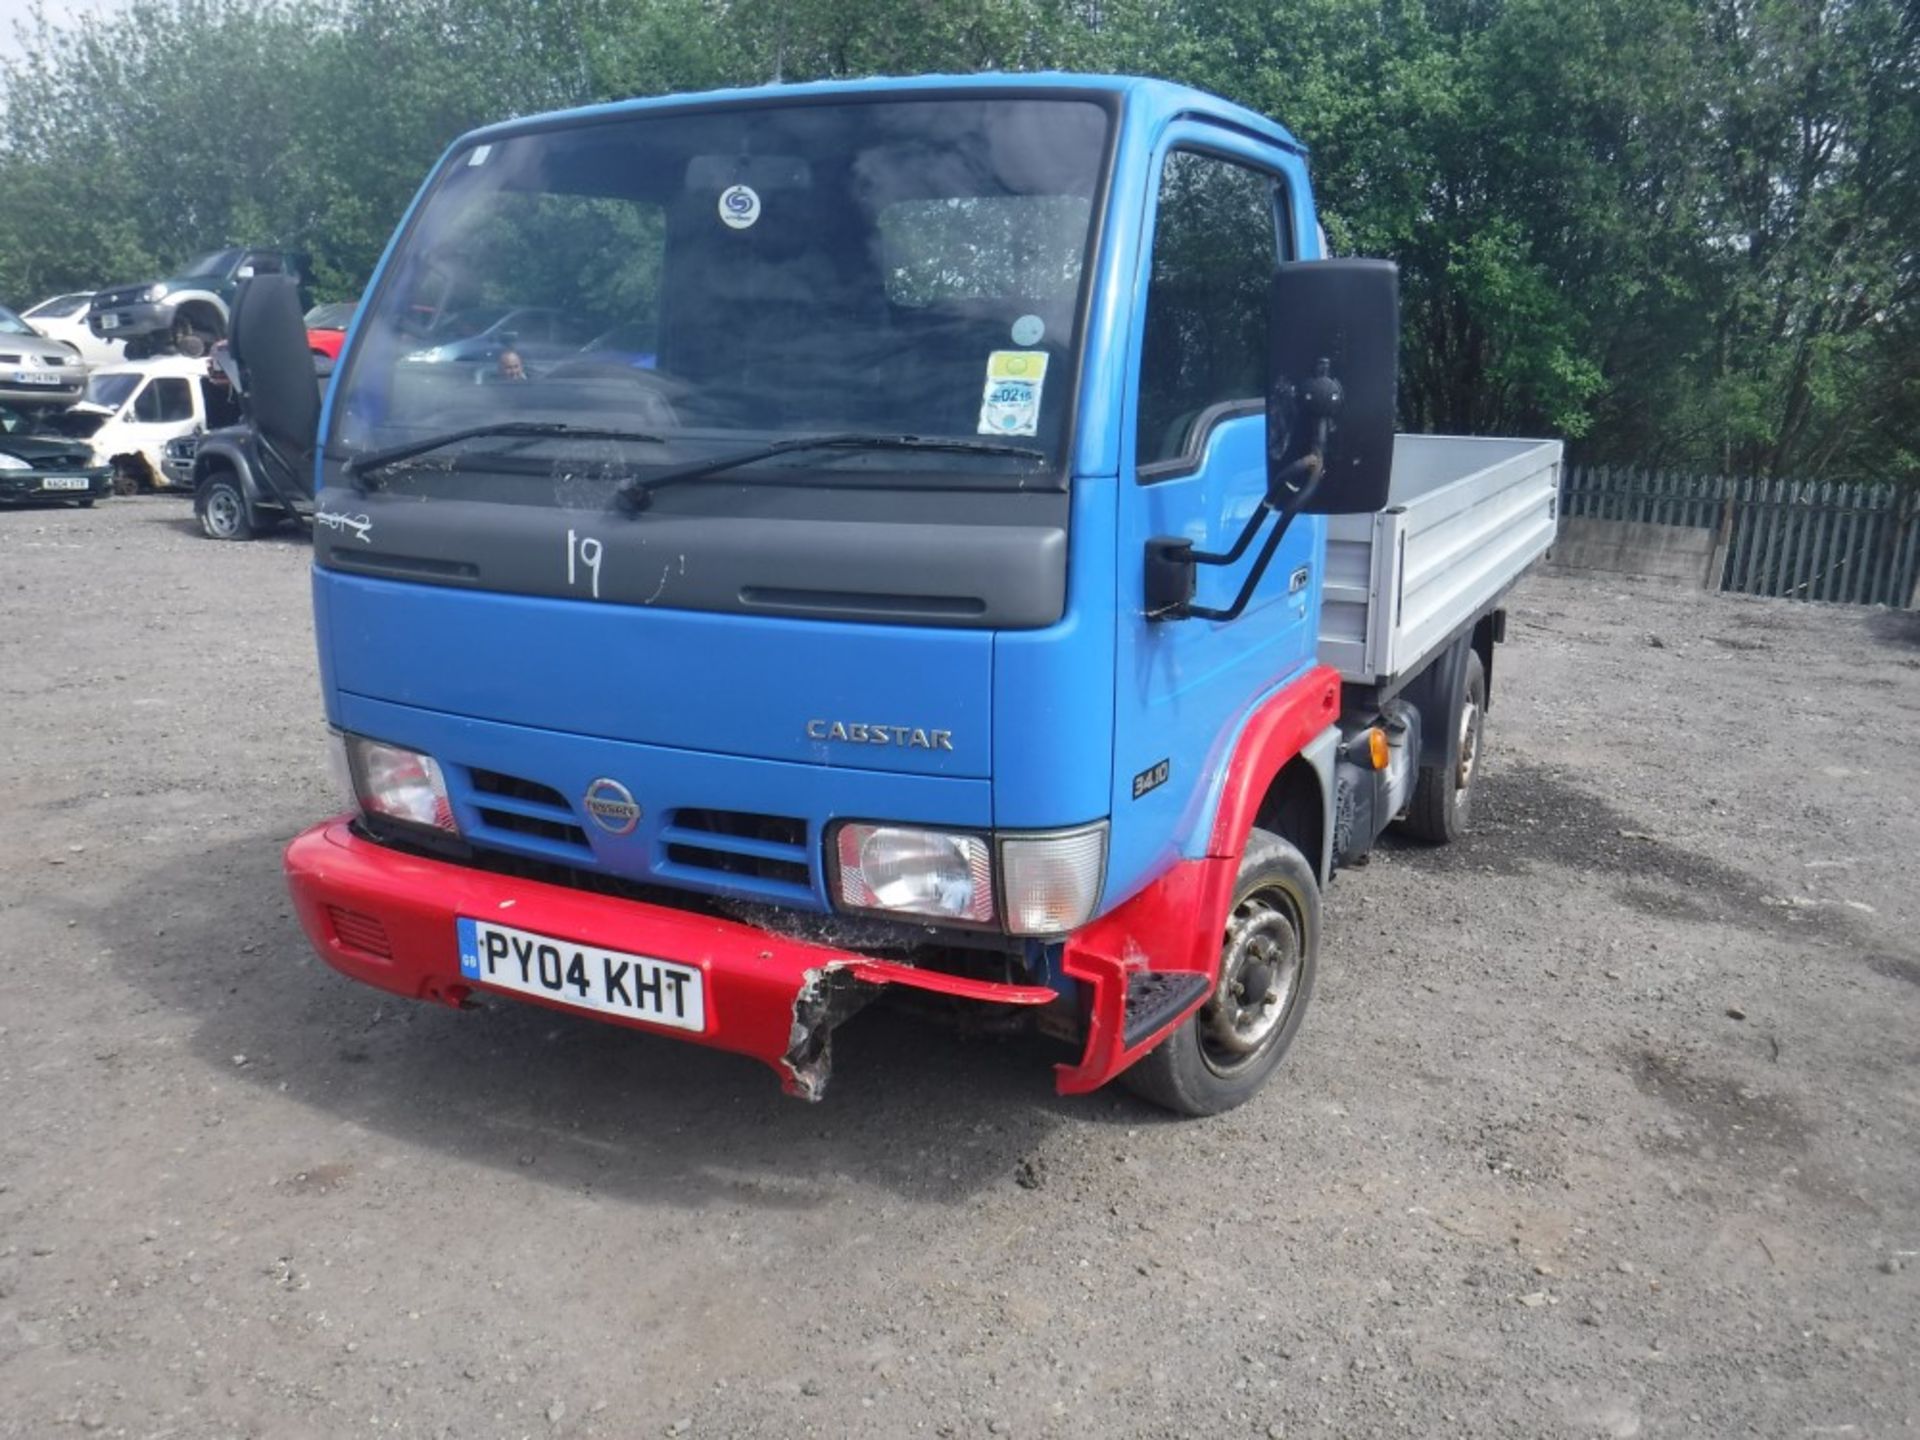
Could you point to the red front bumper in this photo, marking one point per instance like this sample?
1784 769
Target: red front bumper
388 918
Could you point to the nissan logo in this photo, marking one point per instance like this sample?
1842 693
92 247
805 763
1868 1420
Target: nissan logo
612 806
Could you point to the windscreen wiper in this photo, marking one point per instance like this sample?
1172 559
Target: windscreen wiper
635 493
362 466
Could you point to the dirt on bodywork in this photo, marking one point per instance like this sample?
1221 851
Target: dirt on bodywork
1604 1122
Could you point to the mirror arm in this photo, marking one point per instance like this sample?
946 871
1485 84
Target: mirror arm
1252 582
1239 546
1288 493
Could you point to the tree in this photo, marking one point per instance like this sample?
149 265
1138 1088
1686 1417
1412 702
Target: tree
1680 232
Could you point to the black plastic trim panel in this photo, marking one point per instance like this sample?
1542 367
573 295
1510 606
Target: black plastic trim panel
960 559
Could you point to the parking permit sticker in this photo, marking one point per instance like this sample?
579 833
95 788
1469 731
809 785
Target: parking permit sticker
739 206
1010 404
1028 329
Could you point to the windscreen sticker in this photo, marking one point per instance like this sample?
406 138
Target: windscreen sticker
480 154
1028 330
1010 404
739 206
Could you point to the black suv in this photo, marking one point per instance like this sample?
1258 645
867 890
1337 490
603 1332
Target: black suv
159 314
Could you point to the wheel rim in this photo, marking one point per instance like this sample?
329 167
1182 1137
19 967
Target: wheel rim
1259 981
223 512
1469 744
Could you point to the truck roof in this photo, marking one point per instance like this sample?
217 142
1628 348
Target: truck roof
1152 100
188 365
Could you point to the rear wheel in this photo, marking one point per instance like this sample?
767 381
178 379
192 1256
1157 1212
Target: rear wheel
1443 795
1225 1051
222 508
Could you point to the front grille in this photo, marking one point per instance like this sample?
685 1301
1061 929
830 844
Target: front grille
735 852
769 851
492 782
9 359
558 831
526 809
744 825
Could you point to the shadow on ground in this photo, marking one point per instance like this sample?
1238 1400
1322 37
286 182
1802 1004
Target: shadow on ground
1526 818
913 1108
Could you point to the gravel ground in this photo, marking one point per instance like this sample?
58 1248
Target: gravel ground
1605 1123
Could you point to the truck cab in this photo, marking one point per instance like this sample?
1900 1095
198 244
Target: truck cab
931 604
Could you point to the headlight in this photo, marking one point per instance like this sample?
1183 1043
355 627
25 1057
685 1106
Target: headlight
1051 883
437 353
156 292
12 462
397 783
935 874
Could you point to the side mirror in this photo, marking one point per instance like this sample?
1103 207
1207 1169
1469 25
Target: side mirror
1332 321
269 345
1333 365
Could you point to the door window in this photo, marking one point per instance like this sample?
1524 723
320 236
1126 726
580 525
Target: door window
166 400
1216 241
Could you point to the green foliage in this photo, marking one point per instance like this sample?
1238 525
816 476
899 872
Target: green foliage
1682 232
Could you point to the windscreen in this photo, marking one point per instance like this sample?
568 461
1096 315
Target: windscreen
717 279
110 390
335 315
12 324
218 263
60 307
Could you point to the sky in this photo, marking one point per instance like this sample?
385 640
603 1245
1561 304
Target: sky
61 12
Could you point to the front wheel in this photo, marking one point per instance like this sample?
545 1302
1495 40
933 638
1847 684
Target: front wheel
222 508
1443 795
1225 1051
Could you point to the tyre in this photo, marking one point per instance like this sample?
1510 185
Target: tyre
196 330
222 508
126 480
1269 954
1443 795
86 504
139 347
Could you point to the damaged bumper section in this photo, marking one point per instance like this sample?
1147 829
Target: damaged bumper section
393 919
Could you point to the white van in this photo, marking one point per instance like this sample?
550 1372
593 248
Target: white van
131 410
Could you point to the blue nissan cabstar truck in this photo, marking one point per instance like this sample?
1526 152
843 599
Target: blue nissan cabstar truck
939 536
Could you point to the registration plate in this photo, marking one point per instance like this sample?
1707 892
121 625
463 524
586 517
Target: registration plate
36 377
586 977
63 482
109 322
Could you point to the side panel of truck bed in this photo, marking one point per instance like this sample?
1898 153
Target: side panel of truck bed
1464 518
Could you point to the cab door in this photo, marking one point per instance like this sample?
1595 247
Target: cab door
1226 210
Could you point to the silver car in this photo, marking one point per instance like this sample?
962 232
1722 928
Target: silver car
36 371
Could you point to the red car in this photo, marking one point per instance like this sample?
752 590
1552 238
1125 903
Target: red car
327 327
